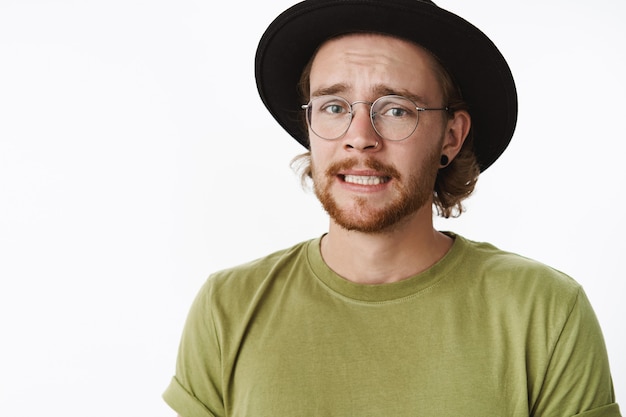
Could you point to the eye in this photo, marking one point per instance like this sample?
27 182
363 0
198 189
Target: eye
395 112
333 108
394 108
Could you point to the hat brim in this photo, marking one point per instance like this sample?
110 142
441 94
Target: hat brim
467 53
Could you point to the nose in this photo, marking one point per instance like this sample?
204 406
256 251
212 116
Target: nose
361 134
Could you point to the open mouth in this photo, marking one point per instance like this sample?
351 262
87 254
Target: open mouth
365 179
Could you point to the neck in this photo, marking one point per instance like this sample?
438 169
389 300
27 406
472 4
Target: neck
385 257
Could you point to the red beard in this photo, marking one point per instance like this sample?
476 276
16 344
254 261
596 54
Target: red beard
412 195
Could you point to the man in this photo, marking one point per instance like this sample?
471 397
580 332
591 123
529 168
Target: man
402 105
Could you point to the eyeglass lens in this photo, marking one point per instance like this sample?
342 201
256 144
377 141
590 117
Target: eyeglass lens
393 117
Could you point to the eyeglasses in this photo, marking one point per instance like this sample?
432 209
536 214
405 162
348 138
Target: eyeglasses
393 117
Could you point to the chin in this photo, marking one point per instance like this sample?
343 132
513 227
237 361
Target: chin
376 221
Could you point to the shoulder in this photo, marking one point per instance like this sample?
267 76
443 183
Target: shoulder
530 298
257 269
517 275
239 284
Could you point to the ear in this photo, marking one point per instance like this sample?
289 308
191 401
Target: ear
457 129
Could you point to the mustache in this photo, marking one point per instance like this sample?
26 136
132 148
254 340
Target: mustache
386 170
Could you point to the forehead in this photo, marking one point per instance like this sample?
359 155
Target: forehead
375 62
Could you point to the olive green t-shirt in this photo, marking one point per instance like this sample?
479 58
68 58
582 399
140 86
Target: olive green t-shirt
481 333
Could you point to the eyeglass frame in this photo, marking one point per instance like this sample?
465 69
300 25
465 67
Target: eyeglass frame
307 107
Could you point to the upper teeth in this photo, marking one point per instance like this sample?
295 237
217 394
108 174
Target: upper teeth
364 180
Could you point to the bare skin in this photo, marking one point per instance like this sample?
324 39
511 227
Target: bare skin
365 67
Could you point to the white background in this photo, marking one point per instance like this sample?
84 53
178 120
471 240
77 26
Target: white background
136 158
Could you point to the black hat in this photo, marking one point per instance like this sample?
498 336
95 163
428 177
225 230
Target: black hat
471 58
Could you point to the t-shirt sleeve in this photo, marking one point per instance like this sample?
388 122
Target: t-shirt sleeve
578 380
196 389
611 410
184 402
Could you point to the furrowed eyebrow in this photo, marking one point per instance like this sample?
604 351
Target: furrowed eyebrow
383 90
332 90
378 91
